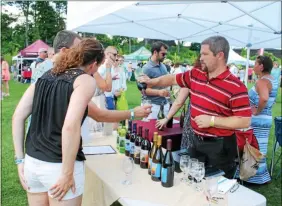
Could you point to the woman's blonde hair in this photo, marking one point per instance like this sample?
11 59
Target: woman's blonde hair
85 53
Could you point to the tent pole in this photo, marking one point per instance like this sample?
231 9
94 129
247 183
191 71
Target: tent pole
247 66
248 54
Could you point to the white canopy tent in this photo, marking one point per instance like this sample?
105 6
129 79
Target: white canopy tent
235 58
255 24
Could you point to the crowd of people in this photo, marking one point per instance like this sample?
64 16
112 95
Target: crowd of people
75 89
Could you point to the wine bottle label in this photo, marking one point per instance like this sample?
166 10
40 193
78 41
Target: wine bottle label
137 152
144 156
167 173
156 170
127 145
132 148
122 145
150 163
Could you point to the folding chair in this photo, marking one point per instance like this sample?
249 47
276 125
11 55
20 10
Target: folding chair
278 139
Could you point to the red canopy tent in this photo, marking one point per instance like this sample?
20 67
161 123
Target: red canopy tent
32 50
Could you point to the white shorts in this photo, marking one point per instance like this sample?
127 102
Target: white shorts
41 176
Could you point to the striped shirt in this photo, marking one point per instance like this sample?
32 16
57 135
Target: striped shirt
222 96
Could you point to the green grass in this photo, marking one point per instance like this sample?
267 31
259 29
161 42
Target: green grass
14 195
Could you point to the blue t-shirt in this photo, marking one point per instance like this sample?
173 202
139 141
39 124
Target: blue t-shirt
153 70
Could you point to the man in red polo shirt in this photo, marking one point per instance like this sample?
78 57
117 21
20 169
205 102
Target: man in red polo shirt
219 105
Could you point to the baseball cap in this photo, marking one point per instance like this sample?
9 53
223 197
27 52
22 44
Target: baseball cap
42 50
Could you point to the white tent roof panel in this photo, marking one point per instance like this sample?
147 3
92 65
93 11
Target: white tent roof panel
186 20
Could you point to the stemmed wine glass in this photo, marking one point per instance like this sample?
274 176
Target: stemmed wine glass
211 187
199 173
127 167
192 164
184 161
144 103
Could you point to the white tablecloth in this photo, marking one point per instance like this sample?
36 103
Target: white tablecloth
103 186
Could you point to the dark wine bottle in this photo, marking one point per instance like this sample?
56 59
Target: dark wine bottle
161 115
152 152
127 139
170 121
132 140
137 149
182 116
168 166
157 161
145 149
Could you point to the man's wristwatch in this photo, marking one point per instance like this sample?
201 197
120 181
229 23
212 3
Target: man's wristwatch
19 160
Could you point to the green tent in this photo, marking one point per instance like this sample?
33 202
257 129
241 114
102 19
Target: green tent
141 54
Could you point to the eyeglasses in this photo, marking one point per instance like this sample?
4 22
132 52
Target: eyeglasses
163 54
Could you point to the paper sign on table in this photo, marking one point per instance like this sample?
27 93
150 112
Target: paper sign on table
224 185
94 150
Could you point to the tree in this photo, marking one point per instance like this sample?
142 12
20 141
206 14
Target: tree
24 6
6 33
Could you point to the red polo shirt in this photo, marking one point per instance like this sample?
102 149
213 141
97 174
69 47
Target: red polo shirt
222 96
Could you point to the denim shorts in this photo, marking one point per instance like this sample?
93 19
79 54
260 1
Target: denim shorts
110 103
41 176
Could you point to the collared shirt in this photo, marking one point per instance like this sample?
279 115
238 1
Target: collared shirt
41 69
153 70
222 96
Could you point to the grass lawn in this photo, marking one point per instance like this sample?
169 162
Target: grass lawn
14 195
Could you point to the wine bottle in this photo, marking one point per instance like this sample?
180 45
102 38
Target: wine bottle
138 142
132 140
168 166
182 116
161 114
122 141
170 121
157 161
145 149
152 152
127 139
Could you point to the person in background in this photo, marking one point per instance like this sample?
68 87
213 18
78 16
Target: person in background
234 70
129 71
42 55
167 63
58 159
154 68
242 74
104 80
219 105
276 73
250 75
262 97
5 77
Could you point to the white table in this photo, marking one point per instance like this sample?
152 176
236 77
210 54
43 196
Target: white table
103 186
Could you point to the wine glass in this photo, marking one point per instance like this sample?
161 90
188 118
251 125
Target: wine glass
192 164
199 175
127 167
184 160
211 187
145 102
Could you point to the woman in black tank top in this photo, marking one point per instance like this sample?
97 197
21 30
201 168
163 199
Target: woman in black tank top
58 104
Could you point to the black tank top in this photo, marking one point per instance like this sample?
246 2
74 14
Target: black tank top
50 103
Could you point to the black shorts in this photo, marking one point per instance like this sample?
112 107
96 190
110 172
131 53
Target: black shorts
250 77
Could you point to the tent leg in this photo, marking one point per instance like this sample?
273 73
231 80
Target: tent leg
247 67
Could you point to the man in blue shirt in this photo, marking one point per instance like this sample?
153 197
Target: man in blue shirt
154 68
